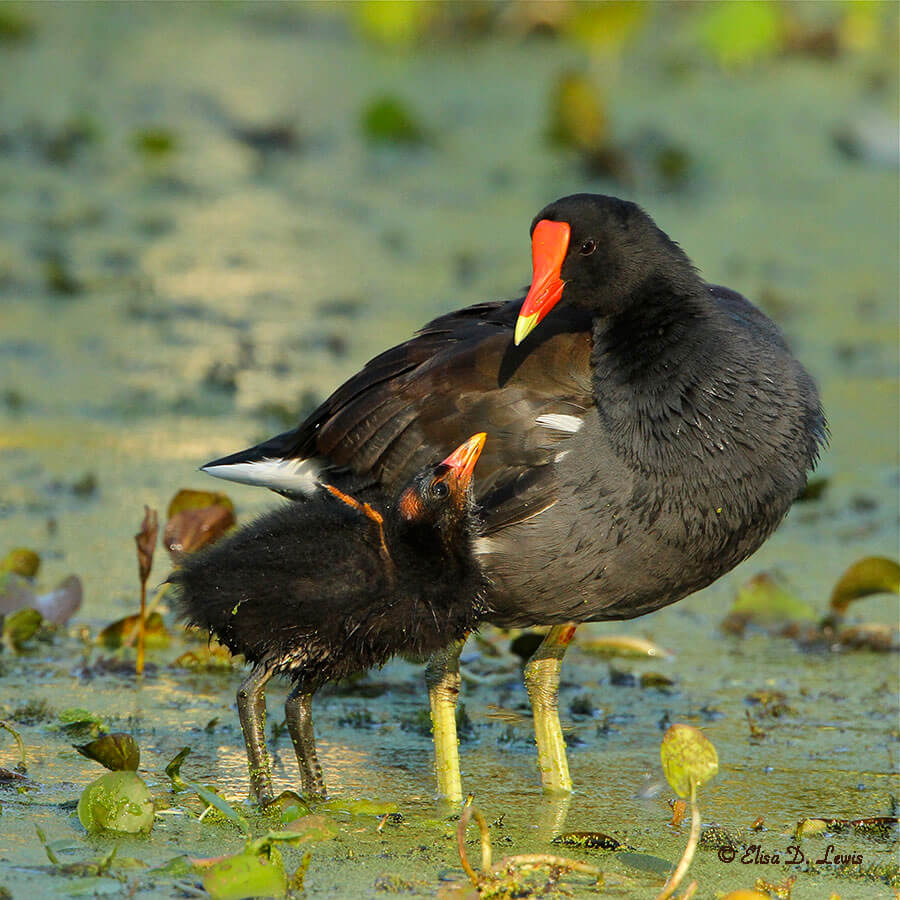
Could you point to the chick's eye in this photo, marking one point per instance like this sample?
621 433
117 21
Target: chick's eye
588 247
440 490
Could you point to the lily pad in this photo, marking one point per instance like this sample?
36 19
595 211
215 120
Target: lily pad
360 807
688 759
118 752
117 633
247 875
871 575
577 114
388 120
21 561
739 34
623 645
763 601
117 801
310 829
74 719
20 627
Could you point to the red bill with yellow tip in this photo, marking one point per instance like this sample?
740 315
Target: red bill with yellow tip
462 460
549 245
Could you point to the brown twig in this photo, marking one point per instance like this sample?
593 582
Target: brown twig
508 863
467 814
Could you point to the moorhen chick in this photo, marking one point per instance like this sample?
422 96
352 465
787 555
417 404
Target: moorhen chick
648 436
321 590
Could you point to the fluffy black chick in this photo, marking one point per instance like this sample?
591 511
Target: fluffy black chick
321 590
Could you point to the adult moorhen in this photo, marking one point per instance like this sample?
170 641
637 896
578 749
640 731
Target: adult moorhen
322 590
650 435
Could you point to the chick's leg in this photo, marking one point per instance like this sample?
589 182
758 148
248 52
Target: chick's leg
251 704
298 712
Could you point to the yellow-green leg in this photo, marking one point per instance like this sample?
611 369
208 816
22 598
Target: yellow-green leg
542 684
443 680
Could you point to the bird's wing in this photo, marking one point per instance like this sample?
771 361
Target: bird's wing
413 404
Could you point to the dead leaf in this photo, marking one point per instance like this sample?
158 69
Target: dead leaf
60 604
117 633
118 752
145 540
191 529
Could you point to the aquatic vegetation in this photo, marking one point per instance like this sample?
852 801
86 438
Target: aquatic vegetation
145 542
689 760
117 801
389 120
118 752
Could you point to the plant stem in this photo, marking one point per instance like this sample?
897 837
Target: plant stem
688 855
139 665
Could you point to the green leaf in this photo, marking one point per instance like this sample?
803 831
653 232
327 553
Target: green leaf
577 114
392 23
763 601
388 120
22 562
361 807
306 829
871 575
117 633
20 626
211 798
688 759
738 34
173 769
118 752
116 801
246 875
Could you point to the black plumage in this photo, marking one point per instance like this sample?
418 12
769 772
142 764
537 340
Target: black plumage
648 430
322 590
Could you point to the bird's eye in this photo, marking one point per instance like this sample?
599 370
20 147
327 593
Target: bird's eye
439 489
588 247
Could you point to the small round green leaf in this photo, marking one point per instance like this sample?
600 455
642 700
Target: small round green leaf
117 801
688 758
21 561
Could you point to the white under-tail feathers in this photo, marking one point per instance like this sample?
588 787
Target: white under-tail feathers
295 475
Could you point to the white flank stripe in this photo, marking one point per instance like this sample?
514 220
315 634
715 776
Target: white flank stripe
279 474
560 422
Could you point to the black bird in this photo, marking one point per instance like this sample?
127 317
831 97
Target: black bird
321 590
648 437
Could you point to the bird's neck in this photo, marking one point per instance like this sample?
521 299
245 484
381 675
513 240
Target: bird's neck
650 364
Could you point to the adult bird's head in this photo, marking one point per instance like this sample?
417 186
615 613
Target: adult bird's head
597 253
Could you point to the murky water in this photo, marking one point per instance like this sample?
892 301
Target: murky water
158 311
